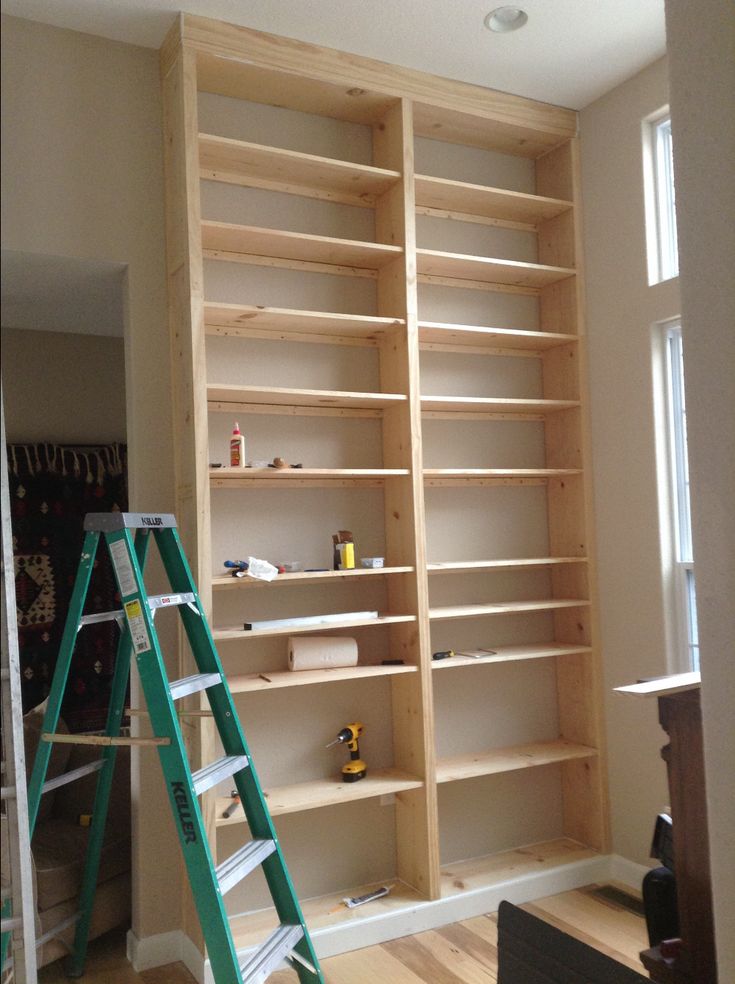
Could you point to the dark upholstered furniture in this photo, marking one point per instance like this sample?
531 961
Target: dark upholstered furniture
531 951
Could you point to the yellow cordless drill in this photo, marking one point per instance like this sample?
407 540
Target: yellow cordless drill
354 769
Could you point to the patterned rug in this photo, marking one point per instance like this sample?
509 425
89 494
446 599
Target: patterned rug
52 488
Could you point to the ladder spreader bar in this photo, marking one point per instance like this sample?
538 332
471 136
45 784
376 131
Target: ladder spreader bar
83 770
278 946
154 601
218 770
193 684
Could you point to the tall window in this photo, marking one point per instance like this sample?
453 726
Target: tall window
685 592
658 159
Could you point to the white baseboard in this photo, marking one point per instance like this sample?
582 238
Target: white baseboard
379 928
627 872
165 948
153 951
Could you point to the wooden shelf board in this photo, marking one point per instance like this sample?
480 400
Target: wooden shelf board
507 476
511 759
494 203
246 320
224 581
240 162
250 929
496 869
478 337
326 792
287 397
454 126
479 404
259 682
240 635
509 654
486 269
505 608
224 237
233 478
459 566
256 83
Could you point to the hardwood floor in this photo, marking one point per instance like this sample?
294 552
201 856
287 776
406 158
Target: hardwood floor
460 953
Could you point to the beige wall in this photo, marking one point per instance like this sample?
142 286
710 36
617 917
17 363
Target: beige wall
621 309
62 387
703 121
82 177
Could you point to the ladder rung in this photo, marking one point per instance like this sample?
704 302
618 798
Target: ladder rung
83 770
242 862
8 925
154 602
216 771
7 792
193 684
278 946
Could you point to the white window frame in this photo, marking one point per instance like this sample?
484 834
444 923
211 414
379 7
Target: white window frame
660 199
683 630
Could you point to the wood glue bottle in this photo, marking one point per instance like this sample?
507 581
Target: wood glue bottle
237 448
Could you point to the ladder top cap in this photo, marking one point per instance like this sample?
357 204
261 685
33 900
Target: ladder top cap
109 522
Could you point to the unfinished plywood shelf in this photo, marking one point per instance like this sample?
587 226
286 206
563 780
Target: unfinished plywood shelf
226 581
505 608
226 241
478 406
477 339
465 877
437 264
274 399
509 654
254 165
457 197
529 756
436 477
327 792
243 635
233 478
465 566
251 321
260 682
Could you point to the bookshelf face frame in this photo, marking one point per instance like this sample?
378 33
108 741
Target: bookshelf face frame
398 106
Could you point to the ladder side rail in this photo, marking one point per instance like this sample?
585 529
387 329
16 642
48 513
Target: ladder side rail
21 902
116 710
174 763
61 674
234 743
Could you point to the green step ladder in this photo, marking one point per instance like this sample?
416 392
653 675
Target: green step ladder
128 537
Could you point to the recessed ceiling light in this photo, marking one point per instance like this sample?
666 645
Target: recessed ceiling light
505 19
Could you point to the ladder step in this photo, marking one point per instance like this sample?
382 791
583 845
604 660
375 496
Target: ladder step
8 925
193 684
242 862
7 792
83 770
216 771
278 945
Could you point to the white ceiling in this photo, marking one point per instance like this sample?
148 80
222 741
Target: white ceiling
569 53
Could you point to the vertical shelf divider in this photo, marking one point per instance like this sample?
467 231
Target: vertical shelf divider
413 738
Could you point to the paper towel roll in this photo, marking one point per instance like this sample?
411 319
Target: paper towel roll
321 652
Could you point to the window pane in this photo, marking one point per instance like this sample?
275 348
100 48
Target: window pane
666 201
